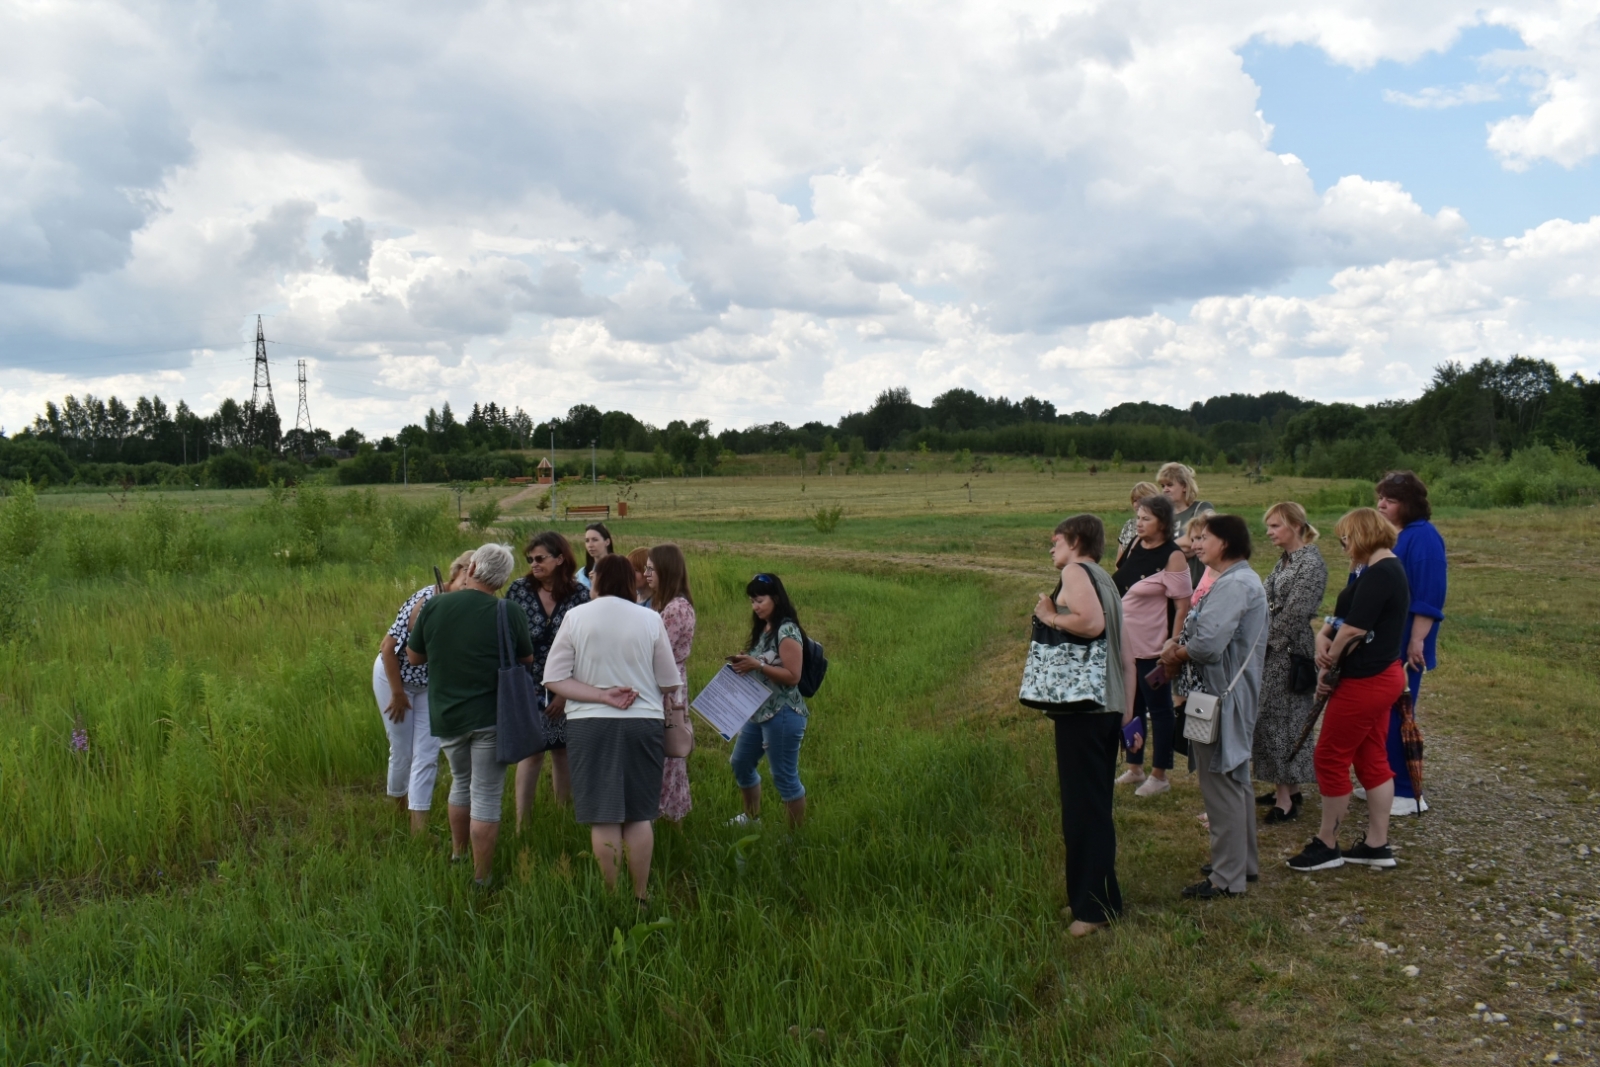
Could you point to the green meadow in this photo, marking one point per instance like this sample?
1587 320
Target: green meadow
213 875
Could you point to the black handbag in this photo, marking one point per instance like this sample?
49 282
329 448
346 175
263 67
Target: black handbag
519 701
1302 673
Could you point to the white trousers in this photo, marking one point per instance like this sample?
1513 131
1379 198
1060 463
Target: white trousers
413 750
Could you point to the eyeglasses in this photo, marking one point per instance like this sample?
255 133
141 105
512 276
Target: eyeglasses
649 568
536 560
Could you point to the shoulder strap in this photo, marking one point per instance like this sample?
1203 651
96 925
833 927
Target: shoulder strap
1248 657
503 633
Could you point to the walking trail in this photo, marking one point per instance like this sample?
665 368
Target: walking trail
1495 902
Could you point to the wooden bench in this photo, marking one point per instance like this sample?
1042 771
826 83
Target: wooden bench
584 511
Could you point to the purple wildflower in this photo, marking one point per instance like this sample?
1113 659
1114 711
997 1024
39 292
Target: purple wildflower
80 737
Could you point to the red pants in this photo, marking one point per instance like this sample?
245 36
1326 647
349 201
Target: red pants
1355 730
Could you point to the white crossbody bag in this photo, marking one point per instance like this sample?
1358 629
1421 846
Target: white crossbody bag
1200 709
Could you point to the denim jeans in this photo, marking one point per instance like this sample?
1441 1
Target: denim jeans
1158 703
779 737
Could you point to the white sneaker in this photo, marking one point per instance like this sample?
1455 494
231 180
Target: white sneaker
1130 776
1408 806
1152 786
742 819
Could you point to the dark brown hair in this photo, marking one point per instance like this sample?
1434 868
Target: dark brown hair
611 547
1086 534
613 576
1162 509
672 576
1232 531
1407 490
565 580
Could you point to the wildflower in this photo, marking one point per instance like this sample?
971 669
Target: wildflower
80 737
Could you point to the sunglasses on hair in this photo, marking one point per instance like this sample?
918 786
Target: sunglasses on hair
764 579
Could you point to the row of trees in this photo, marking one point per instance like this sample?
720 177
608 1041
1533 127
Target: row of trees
1493 406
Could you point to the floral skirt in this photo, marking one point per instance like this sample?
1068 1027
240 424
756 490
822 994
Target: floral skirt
675 802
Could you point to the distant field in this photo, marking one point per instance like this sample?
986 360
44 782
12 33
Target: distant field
220 879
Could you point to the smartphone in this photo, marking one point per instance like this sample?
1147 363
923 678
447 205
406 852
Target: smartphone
438 580
1156 678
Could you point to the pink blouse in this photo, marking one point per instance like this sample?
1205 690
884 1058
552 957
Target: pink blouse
1144 611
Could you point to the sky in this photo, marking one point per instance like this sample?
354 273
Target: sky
751 213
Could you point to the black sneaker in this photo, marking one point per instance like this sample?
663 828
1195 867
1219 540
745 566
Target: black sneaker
1370 855
1317 857
1266 800
1207 890
1205 869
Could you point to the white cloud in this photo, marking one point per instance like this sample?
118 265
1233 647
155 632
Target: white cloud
1563 58
745 212
1435 98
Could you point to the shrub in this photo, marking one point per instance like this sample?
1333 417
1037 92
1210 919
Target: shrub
485 515
826 520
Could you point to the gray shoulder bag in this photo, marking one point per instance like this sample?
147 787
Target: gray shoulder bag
1200 709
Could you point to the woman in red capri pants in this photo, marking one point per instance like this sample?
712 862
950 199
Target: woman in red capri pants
1363 637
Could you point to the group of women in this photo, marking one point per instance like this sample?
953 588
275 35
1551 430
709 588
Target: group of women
1187 632
610 644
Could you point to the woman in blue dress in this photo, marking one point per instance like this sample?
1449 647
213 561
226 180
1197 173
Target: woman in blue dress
1403 501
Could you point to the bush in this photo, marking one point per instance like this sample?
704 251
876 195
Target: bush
230 470
826 520
1535 475
485 515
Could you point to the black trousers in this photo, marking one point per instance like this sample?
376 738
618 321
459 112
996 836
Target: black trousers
1086 763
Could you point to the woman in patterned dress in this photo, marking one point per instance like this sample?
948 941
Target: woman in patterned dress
549 591
667 575
1294 595
402 692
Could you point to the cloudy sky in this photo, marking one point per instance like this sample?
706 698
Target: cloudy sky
772 211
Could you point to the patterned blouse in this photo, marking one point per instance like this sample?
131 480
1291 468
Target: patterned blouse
783 696
1294 595
541 627
412 675
678 618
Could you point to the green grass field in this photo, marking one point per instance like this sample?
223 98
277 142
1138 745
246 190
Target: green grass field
220 879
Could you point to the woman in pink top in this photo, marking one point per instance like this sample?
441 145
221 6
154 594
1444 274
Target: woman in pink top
1154 581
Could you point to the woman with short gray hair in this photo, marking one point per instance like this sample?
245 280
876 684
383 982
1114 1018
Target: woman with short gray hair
1227 642
458 635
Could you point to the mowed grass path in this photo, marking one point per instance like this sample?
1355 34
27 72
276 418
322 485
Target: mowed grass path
221 879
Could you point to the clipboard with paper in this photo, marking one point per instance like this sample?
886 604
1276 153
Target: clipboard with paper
729 699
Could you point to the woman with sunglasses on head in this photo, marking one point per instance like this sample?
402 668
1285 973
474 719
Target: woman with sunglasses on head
546 594
597 545
776 650
666 576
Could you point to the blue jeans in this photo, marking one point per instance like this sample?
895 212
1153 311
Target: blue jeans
779 737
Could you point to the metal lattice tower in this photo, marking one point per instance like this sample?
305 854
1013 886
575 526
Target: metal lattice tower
302 415
263 375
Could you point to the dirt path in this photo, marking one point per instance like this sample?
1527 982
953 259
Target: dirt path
1496 901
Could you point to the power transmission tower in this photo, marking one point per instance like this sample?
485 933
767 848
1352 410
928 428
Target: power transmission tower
263 380
302 415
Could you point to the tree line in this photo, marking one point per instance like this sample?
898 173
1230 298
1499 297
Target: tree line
1491 407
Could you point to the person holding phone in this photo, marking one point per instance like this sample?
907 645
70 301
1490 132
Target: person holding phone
1153 579
776 650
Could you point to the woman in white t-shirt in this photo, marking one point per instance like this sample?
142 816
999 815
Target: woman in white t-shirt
613 662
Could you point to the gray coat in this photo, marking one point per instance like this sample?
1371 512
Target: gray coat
1229 625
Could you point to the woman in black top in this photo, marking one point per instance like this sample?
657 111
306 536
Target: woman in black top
1153 580
546 594
1363 641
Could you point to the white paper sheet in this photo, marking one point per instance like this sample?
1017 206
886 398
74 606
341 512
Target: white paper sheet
729 699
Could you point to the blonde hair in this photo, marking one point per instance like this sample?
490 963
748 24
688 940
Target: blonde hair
460 564
1294 515
1198 523
1363 532
1180 474
1142 490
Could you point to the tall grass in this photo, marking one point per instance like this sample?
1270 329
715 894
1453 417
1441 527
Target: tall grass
219 878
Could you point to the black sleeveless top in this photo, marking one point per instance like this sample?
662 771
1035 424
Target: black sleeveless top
1140 563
